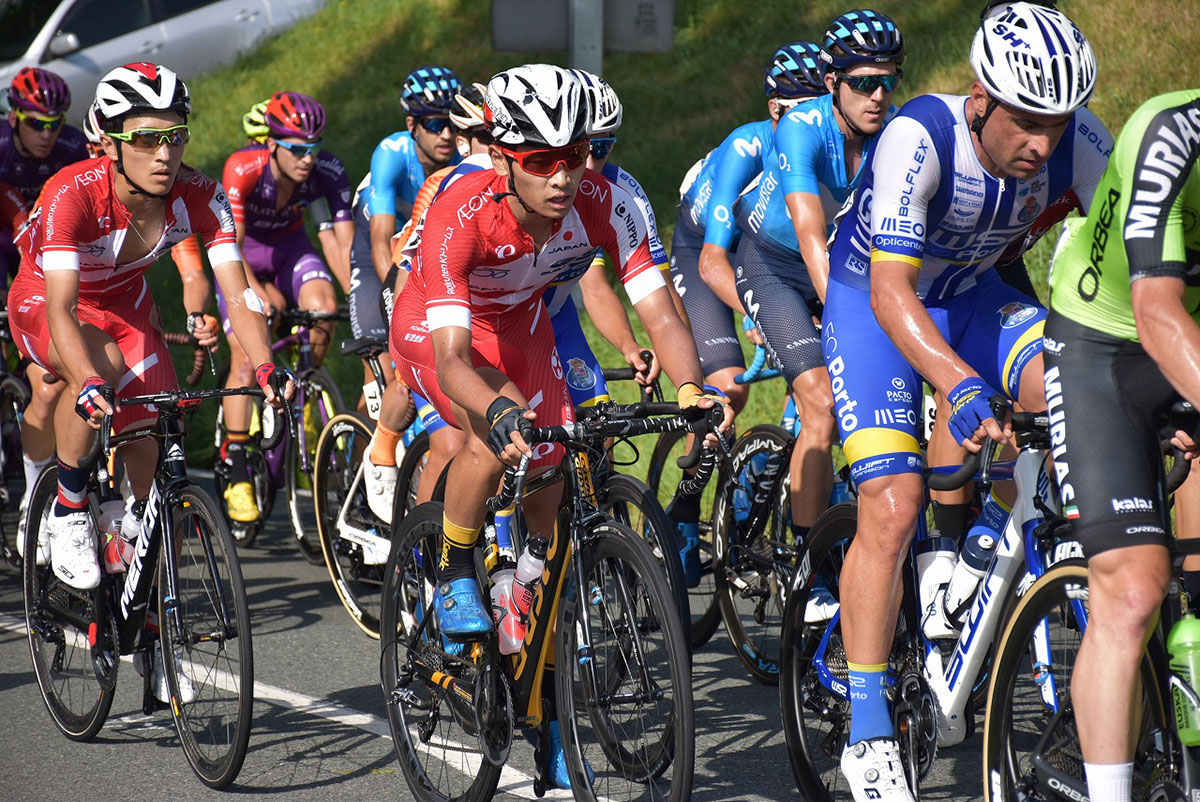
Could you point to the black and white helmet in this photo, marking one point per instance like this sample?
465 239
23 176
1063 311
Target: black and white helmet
140 87
91 129
536 104
604 107
1034 58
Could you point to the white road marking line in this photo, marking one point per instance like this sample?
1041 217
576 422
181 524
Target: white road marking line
512 781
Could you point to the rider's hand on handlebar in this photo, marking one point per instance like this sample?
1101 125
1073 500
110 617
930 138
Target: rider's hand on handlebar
91 404
1185 442
972 420
271 378
504 438
645 371
690 394
754 335
204 328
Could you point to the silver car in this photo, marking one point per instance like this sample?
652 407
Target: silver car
81 40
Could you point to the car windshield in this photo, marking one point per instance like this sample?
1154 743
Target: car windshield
20 21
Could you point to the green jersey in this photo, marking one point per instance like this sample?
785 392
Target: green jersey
1144 220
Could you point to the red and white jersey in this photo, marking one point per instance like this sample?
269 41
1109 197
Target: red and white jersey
470 256
80 224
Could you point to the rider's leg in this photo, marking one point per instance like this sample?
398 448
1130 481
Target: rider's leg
37 425
444 444
723 380
1187 525
951 508
240 500
395 414
317 295
812 465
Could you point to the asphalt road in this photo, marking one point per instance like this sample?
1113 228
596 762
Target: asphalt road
319 727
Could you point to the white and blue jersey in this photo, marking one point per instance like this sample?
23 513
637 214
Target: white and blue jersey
934 206
810 157
930 203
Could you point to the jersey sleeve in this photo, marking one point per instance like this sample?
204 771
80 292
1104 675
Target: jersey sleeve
186 256
657 252
798 141
1155 163
335 187
1093 146
906 176
738 161
240 176
211 213
63 217
13 212
445 262
618 227
387 165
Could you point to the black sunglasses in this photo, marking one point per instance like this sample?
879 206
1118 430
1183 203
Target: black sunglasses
867 84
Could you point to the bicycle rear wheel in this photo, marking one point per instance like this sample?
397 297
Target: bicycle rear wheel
339 490
629 501
663 477
439 753
1030 742
625 710
409 476
57 618
322 401
206 642
752 570
813 676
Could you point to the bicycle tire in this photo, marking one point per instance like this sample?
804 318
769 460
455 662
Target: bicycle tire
214 727
407 586
77 701
322 402
1016 721
408 477
339 458
815 719
662 477
630 501
750 598
638 748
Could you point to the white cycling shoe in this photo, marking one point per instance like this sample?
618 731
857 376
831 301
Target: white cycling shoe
158 677
874 772
380 485
73 549
43 545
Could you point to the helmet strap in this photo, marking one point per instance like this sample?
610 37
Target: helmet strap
512 190
978 122
837 103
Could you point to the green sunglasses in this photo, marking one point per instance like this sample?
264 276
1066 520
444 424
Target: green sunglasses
151 138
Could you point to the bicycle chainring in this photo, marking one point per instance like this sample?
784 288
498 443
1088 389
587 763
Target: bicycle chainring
915 717
1164 791
493 713
106 653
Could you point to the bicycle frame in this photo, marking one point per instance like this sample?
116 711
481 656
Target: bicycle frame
952 678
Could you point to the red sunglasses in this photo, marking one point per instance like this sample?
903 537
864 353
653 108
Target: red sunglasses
544 163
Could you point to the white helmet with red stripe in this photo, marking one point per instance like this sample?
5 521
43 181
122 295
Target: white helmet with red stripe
140 87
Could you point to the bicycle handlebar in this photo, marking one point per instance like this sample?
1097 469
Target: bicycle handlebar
198 358
758 371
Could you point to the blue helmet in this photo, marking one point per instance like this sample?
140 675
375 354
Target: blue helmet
429 90
862 37
795 71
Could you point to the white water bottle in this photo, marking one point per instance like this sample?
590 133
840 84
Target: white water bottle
936 559
976 555
529 571
509 627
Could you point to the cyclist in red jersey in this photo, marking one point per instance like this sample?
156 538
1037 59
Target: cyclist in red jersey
270 187
80 306
470 331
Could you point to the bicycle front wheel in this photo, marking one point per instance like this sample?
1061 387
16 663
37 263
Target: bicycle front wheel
624 687
207 649
1030 742
57 618
438 745
340 494
663 478
322 401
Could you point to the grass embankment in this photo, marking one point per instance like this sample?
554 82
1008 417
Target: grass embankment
354 54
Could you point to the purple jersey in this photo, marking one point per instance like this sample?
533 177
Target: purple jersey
253 191
27 175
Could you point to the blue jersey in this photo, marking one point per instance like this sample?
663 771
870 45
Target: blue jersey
811 158
724 175
929 203
396 177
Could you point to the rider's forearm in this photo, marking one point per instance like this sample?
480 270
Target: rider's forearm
462 384
250 328
717 273
337 259
197 292
907 323
383 226
808 219
1168 333
607 312
671 338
